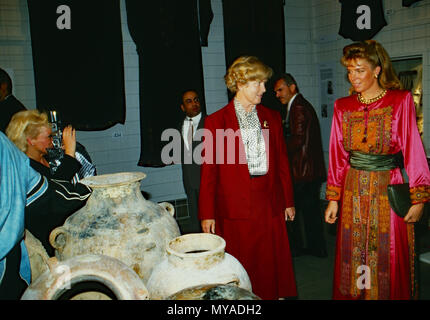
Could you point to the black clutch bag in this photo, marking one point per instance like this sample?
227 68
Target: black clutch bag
399 198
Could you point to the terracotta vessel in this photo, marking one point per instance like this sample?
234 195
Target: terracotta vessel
117 221
64 276
192 260
37 255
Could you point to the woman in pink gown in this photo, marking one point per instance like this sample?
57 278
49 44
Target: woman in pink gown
375 255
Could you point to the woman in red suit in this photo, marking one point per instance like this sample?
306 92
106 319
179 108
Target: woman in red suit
376 124
246 193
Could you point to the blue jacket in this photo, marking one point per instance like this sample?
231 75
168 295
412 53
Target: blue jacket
20 186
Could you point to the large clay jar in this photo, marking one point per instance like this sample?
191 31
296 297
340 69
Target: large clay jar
118 221
66 276
192 260
37 255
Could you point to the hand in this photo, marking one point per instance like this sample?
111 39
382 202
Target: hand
69 141
208 225
331 212
415 213
290 213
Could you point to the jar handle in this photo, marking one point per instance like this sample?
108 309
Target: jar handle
168 207
229 279
53 238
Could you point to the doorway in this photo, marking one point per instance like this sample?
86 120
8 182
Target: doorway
410 73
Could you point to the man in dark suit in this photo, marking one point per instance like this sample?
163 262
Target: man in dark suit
194 120
303 138
9 105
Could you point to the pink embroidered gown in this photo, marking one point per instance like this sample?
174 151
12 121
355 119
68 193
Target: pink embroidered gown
369 232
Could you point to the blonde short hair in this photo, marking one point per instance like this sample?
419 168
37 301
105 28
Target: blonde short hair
26 124
244 69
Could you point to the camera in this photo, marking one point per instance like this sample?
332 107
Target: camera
56 153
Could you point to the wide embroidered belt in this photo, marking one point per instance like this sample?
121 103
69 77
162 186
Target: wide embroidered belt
375 162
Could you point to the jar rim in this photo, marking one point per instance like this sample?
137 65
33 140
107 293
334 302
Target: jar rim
196 241
113 179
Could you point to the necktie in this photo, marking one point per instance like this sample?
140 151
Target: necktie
190 133
287 124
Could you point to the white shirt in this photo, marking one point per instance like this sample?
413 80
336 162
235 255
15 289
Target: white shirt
290 103
186 126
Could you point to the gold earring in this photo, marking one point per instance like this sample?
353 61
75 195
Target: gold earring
376 76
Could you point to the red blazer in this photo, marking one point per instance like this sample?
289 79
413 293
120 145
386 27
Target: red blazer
225 189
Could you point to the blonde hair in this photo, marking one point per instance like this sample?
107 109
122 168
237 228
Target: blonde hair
26 124
244 69
374 53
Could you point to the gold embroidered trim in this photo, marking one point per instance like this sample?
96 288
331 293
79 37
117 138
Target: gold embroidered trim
378 132
333 193
420 194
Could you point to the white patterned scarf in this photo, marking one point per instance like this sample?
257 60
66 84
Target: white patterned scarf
253 141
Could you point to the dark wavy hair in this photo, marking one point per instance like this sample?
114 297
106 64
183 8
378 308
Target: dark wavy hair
374 53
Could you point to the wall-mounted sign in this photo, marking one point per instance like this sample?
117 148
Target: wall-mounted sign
361 19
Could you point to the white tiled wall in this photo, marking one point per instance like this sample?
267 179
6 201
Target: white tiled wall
407 34
214 62
109 153
311 38
15 49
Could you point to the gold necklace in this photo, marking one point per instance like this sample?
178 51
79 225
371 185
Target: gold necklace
369 101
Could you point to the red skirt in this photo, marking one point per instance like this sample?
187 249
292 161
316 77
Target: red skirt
261 245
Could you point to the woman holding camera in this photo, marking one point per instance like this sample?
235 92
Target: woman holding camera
31 132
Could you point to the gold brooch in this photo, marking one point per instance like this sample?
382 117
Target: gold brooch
265 124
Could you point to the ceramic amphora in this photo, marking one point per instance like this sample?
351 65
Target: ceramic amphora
117 221
192 260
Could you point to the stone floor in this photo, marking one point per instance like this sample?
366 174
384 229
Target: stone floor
314 276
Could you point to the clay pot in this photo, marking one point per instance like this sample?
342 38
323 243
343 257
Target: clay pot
192 260
64 276
37 255
117 221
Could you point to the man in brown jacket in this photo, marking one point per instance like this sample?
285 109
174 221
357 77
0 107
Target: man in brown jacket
305 153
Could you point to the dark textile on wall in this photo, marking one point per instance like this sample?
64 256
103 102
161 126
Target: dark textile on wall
256 28
348 21
408 3
79 71
167 38
206 17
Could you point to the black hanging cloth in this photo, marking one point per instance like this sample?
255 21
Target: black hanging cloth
79 71
408 3
167 37
256 28
361 19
